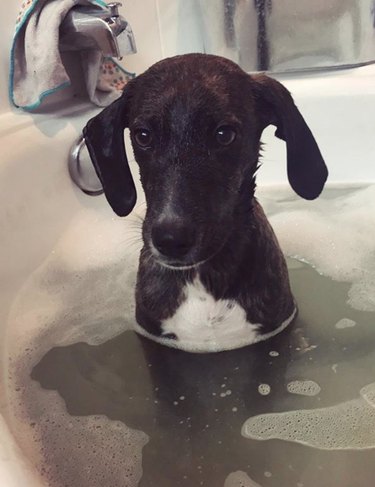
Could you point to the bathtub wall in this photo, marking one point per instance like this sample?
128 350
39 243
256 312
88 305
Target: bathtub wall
338 105
164 28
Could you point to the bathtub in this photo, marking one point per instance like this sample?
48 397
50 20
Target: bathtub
38 199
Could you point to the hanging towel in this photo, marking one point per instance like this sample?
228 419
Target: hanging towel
36 68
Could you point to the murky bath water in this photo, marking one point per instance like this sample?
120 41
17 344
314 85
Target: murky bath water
106 407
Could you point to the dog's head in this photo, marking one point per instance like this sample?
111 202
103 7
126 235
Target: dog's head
195 123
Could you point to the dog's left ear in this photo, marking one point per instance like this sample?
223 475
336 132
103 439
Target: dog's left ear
104 137
307 171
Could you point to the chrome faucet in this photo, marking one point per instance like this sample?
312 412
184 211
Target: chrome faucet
97 28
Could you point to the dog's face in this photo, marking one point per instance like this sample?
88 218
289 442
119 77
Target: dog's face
195 123
195 143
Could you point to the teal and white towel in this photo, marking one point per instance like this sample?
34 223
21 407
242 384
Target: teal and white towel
36 68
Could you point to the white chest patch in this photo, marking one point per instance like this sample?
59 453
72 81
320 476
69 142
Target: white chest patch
203 324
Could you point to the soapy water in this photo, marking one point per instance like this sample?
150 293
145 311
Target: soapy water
239 479
86 280
368 394
303 387
89 280
333 235
344 250
264 389
345 426
345 323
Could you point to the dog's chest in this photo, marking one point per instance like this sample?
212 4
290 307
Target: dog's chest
201 320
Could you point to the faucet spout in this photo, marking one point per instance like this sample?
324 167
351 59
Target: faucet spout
86 28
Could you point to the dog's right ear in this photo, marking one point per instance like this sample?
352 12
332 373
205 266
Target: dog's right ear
104 137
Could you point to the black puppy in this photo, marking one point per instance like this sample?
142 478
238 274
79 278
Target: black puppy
211 274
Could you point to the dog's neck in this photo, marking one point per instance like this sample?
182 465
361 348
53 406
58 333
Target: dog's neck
246 260
221 270
243 255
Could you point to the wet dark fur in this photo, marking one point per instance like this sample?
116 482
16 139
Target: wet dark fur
249 268
207 187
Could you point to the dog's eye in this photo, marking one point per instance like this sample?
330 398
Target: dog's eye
225 135
143 138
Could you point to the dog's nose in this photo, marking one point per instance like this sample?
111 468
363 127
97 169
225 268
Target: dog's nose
172 239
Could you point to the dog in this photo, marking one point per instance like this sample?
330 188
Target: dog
211 273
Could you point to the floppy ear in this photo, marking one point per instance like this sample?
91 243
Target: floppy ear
307 171
104 137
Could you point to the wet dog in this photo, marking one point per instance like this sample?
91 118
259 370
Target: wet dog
211 273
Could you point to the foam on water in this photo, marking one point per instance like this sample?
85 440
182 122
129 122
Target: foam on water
333 235
303 387
239 479
264 389
346 426
84 291
345 323
368 393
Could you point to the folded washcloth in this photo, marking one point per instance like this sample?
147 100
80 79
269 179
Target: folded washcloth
36 68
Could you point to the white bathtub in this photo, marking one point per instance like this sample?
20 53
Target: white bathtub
38 199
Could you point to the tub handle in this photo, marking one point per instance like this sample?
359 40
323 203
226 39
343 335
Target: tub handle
83 174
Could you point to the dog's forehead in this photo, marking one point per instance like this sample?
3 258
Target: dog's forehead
191 85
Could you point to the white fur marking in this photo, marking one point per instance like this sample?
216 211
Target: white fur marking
202 324
202 319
